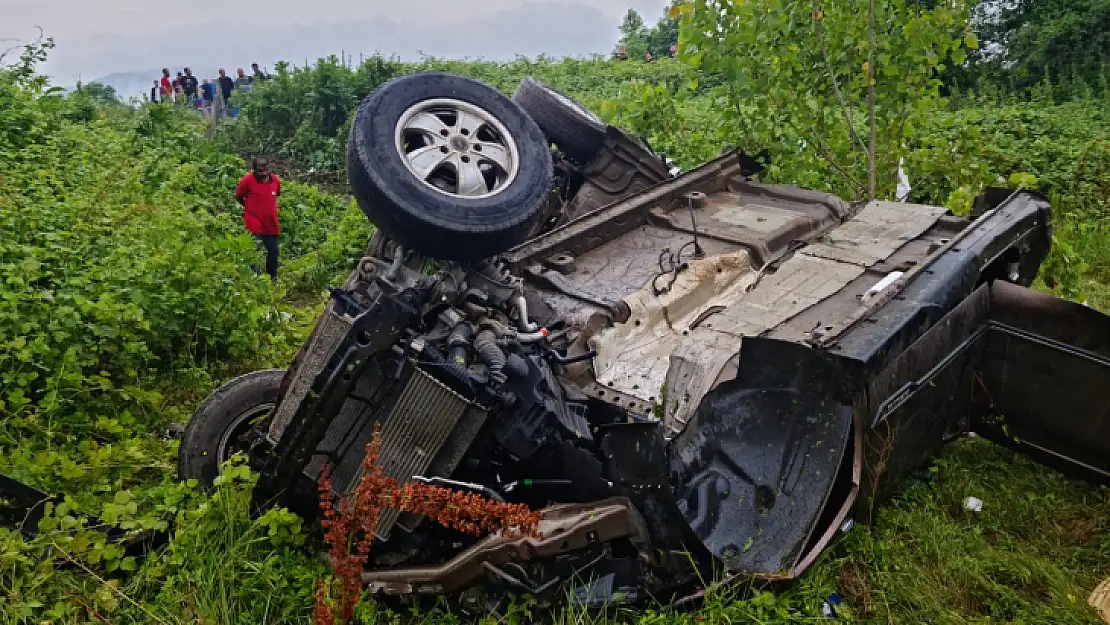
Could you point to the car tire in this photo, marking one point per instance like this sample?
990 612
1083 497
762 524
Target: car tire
210 436
439 125
578 132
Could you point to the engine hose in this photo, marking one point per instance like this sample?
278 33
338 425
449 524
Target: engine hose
532 337
501 330
454 369
474 311
570 360
489 353
522 310
459 344
496 327
460 335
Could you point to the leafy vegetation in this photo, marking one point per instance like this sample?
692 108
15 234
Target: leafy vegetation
126 295
303 115
105 94
638 39
873 87
1026 44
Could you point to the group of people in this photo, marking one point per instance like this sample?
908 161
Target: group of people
621 53
210 96
257 192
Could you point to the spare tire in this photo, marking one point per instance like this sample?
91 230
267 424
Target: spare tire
578 132
447 166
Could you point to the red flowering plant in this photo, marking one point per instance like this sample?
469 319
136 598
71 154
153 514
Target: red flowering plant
349 521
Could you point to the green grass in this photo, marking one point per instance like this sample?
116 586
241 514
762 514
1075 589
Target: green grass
1033 555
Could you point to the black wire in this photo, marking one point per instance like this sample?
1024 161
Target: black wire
678 259
665 252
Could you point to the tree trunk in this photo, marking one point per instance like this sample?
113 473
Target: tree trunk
872 174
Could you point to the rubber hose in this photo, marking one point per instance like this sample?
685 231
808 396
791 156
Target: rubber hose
488 352
460 335
516 367
459 344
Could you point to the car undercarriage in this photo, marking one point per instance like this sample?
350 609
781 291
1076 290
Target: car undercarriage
687 375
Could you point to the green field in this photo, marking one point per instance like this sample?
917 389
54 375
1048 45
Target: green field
126 296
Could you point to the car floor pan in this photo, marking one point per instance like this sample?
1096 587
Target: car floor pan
756 468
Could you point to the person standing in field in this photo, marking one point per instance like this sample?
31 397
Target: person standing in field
189 86
243 83
178 93
258 192
243 86
166 86
208 94
227 86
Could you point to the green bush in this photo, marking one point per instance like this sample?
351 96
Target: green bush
304 113
112 273
332 261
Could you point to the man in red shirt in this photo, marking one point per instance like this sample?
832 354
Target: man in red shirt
258 192
166 86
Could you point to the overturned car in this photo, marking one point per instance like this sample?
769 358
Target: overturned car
685 375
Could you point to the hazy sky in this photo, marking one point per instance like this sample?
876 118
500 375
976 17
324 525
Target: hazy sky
98 37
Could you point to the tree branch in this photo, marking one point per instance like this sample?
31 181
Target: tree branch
903 116
827 155
872 186
832 77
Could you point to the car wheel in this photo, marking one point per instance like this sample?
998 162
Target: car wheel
447 166
216 430
578 132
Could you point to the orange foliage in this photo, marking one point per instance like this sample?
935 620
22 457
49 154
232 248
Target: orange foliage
349 524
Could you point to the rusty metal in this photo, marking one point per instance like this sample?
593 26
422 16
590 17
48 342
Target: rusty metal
611 220
563 528
696 199
618 310
618 399
563 263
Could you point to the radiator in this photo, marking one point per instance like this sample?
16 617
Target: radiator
414 432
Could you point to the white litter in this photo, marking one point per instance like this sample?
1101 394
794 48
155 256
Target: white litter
880 286
904 188
283 316
974 504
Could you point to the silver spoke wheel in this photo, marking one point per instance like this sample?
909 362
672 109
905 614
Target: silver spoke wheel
457 148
